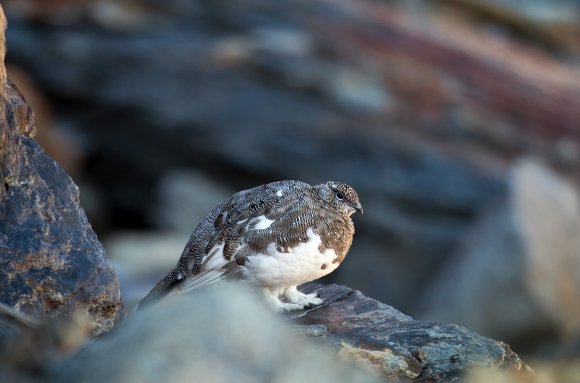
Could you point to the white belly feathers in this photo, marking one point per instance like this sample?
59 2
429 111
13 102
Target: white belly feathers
303 263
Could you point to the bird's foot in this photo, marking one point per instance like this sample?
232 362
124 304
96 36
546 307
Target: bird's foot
273 300
306 300
290 299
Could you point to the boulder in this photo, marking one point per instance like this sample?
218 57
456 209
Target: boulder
383 340
51 260
517 275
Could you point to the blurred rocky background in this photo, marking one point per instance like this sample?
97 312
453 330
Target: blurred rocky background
458 121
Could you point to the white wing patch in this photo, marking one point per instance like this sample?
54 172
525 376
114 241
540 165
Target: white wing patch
304 263
215 258
212 270
279 193
261 222
199 280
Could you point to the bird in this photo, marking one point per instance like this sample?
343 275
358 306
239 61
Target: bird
276 236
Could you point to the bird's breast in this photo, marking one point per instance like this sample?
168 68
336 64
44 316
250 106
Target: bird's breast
277 267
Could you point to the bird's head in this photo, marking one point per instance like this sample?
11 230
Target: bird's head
341 196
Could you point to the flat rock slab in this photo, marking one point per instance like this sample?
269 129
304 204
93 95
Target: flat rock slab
380 338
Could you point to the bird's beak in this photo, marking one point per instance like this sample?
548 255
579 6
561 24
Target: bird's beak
358 207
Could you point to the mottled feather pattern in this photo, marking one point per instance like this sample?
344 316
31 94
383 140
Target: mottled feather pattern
253 222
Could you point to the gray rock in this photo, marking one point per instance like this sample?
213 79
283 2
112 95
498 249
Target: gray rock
517 276
50 258
37 347
220 334
184 198
383 340
226 333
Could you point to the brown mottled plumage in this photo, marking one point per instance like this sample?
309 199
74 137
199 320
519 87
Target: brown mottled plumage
277 236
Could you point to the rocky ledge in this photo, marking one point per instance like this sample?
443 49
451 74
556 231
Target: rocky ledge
377 337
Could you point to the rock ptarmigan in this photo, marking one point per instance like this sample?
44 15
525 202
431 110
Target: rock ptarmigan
276 236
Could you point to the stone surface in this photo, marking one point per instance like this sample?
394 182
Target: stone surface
184 197
50 258
518 270
36 347
385 341
221 334
226 333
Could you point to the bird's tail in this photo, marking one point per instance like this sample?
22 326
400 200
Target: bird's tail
161 289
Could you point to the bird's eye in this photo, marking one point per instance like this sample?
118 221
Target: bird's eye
339 195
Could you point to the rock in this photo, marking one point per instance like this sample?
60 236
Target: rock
54 141
517 276
51 260
219 334
380 338
37 347
226 333
184 199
